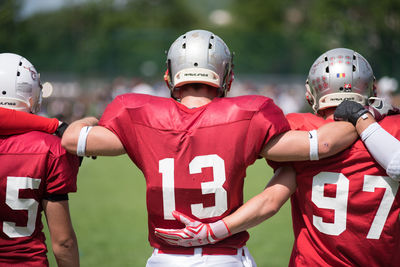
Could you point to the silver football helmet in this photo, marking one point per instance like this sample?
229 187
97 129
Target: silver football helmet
336 75
199 56
20 86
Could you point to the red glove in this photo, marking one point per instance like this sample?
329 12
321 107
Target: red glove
195 233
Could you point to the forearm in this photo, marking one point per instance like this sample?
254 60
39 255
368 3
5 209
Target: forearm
97 141
63 238
71 134
334 137
252 213
66 253
264 205
16 122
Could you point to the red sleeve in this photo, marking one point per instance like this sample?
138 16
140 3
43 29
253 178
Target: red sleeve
16 122
62 176
109 119
268 122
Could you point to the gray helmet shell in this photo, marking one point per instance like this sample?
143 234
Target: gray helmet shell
199 56
336 75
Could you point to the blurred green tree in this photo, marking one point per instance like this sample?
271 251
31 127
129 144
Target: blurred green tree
289 35
102 37
8 24
108 37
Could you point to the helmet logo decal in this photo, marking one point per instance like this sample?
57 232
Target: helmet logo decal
196 74
340 75
347 86
6 103
33 73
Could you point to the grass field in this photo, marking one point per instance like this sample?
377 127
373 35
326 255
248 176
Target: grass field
110 219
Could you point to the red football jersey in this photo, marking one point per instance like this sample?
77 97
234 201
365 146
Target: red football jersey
194 160
346 209
33 165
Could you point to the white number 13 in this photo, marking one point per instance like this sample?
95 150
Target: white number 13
166 168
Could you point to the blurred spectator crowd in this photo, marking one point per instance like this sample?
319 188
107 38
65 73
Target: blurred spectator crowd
71 100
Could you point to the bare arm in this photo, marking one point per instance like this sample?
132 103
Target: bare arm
100 140
295 145
266 204
63 239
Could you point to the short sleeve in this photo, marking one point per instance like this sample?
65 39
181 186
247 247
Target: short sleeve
268 122
62 175
110 117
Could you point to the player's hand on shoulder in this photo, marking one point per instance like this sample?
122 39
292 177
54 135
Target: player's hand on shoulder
349 111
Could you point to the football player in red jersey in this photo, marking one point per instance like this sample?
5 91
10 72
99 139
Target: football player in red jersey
36 175
345 209
194 148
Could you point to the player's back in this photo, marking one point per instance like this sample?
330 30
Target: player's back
194 160
29 171
346 209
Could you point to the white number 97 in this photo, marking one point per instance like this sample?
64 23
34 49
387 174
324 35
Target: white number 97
339 203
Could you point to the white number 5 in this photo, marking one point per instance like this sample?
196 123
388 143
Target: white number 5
14 184
166 168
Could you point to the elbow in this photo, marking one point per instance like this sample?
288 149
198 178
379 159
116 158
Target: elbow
274 210
326 148
60 247
268 211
